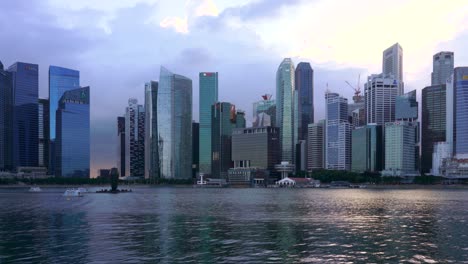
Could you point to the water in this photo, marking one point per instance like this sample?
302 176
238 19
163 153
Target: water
186 225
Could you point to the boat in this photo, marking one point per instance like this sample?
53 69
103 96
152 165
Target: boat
35 189
73 193
82 190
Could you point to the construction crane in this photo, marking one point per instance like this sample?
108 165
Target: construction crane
357 98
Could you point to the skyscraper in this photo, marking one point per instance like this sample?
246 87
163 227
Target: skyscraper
367 149
392 65
223 116
304 78
240 119
44 119
151 131
73 134
264 112
442 67
208 82
400 150
338 133
60 80
380 95
134 139
406 107
6 120
433 122
121 145
25 103
195 148
316 146
460 113
285 93
175 125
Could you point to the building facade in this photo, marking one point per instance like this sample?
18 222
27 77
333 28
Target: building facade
392 65
151 131
432 123
6 120
285 109
367 149
43 131
73 134
316 146
208 82
195 149
25 103
380 96
304 84
442 67
223 121
400 150
264 112
175 125
338 133
121 145
460 113
134 139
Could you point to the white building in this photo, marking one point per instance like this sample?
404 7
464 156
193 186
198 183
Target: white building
380 94
392 65
442 151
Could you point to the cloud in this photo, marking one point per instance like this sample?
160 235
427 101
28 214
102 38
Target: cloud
179 24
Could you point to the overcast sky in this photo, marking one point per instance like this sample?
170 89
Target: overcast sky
119 45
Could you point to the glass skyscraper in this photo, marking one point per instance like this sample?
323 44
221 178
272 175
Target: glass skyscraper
392 65
316 146
134 139
6 119
264 112
460 136
73 134
285 114
175 125
121 145
223 116
60 80
305 86
433 122
44 132
367 149
208 82
442 67
151 130
25 103
406 107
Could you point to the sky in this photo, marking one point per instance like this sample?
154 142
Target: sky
119 45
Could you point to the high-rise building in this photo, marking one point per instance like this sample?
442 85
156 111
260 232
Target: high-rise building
264 112
380 95
60 80
367 149
433 122
43 133
442 67
406 107
460 112
223 121
151 131
175 125
316 146
400 150
392 65
285 109
25 105
240 119
73 134
304 78
121 145
134 139
195 148
255 147
208 82
338 133
6 120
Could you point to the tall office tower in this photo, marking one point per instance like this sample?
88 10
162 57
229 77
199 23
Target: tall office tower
338 133
433 122
25 105
73 134
305 86
264 112
400 151
175 125
442 67
44 118
223 116
392 65
459 83
316 146
367 149
406 107
6 120
134 139
195 148
240 119
121 145
151 131
208 82
380 94
60 81
285 114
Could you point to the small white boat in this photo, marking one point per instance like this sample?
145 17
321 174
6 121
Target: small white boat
73 193
35 189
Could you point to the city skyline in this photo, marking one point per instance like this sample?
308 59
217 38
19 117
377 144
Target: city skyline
93 53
